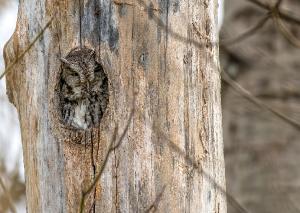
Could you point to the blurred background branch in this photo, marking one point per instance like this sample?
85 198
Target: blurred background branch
6 198
12 190
262 66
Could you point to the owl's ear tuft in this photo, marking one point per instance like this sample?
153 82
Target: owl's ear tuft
65 62
92 54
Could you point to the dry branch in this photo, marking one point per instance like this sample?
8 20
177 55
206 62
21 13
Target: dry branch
18 58
9 199
248 33
246 94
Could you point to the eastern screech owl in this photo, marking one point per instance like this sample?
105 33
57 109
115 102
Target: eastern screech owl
84 89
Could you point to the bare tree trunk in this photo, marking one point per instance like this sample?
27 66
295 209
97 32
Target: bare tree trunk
161 61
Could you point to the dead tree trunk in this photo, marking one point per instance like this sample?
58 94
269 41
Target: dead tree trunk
158 59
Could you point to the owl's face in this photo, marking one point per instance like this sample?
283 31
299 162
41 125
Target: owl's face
79 74
84 66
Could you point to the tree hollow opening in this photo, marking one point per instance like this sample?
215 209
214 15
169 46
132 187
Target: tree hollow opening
83 86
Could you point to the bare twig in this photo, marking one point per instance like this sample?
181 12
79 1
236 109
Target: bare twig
246 94
9 199
284 30
249 32
18 58
278 3
260 4
113 146
154 205
283 14
277 15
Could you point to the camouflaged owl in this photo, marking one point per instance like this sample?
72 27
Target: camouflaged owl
84 89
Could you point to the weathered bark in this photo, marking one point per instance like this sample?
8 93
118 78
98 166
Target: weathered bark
161 62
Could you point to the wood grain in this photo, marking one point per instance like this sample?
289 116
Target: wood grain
161 61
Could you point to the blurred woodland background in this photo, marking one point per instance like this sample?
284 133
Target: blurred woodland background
261 148
12 187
